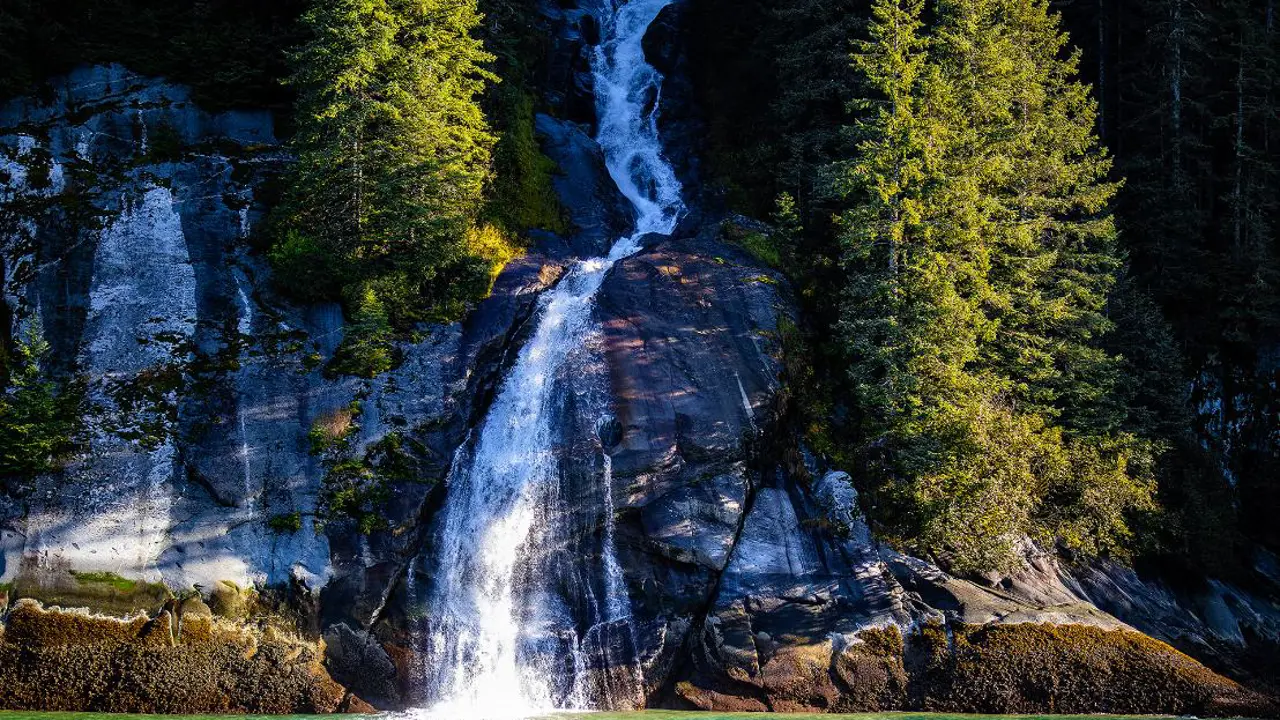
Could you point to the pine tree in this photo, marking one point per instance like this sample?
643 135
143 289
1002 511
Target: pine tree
1057 258
888 176
815 84
912 313
39 418
1166 205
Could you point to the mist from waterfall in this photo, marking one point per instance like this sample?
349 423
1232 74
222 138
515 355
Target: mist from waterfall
495 642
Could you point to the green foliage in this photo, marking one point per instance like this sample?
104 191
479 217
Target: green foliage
164 144
1042 305
760 245
810 398
357 484
523 195
309 270
775 76
980 256
285 523
366 350
1191 97
493 248
393 157
39 417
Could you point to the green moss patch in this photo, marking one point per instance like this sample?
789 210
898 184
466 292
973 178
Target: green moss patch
285 524
98 591
759 245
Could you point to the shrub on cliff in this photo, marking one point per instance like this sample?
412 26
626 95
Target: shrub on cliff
39 417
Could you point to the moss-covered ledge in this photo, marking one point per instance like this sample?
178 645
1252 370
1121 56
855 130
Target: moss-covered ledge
173 661
1005 669
1069 669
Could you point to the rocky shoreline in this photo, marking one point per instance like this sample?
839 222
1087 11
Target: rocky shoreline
1002 669
754 579
183 659
175 661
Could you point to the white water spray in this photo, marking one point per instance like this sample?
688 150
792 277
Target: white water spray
482 606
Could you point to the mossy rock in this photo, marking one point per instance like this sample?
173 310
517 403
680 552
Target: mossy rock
99 591
58 660
31 626
870 672
228 600
1071 669
1018 669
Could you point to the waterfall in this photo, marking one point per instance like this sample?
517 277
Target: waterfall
486 609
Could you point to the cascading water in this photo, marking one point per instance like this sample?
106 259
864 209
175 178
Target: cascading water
485 609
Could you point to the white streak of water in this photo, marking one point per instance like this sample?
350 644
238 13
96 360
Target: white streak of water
495 501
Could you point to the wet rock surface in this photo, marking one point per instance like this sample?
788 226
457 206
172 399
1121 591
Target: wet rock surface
752 584
597 210
666 47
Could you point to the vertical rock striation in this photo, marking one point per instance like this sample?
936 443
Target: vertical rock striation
724 567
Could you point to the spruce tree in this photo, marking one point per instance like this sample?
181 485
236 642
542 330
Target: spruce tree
39 417
886 223
912 312
393 156
980 255
1057 257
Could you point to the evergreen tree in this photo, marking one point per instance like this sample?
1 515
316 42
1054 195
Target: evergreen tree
39 418
1166 207
815 87
912 313
393 155
980 256
887 221
1056 257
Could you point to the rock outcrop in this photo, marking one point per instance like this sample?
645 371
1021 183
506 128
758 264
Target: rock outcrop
60 660
752 581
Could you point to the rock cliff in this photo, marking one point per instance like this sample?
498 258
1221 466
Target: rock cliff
753 580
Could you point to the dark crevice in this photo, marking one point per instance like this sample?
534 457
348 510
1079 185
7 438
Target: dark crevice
684 667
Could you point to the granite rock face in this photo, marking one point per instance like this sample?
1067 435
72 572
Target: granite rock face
129 244
752 578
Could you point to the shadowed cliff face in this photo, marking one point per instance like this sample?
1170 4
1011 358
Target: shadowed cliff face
131 247
752 580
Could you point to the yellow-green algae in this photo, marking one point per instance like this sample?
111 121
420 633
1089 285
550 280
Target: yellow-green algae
102 591
170 662
996 669
1021 668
